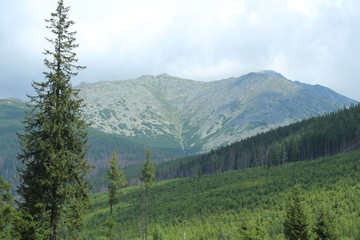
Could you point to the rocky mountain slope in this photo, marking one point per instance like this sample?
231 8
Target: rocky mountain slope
101 145
190 116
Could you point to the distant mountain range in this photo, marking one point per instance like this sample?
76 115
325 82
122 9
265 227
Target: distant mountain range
101 145
176 117
189 116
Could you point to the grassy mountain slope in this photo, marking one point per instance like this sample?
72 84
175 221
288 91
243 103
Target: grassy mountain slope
190 116
217 206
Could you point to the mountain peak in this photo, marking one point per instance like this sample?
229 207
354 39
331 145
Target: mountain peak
273 73
192 116
164 75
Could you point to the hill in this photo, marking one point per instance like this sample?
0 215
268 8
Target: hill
308 139
101 145
11 115
219 206
189 116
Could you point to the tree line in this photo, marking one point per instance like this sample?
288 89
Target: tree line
319 196
308 139
54 191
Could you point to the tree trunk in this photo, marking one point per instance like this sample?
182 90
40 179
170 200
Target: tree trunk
146 214
53 223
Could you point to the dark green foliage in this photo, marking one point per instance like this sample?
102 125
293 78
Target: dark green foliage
148 172
111 225
7 212
147 177
15 224
157 234
53 146
296 226
309 139
253 231
116 180
325 227
26 227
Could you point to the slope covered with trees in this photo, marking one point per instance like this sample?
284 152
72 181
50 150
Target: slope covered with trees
241 203
309 139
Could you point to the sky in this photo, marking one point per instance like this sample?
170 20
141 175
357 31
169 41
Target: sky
311 41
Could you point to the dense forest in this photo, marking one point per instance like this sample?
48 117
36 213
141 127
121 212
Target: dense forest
236 204
308 139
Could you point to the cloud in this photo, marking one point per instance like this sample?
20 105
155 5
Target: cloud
314 41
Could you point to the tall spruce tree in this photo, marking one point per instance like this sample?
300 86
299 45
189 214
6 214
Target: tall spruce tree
117 180
147 177
53 146
296 224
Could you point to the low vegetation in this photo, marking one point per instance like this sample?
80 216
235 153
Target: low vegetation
238 204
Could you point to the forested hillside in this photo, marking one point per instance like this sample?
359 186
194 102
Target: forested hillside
101 145
309 139
236 204
11 115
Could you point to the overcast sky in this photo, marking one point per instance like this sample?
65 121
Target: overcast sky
312 41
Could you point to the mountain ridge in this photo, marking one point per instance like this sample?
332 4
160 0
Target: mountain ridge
198 116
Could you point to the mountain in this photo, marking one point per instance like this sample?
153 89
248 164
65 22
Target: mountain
321 136
101 145
174 116
320 90
11 115
189 116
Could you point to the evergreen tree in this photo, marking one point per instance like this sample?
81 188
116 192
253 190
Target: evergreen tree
7 211
324 227
117 180
53 146
25 227
157 234
147 177
253 231
296 225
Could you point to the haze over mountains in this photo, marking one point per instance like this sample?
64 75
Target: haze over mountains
189 116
